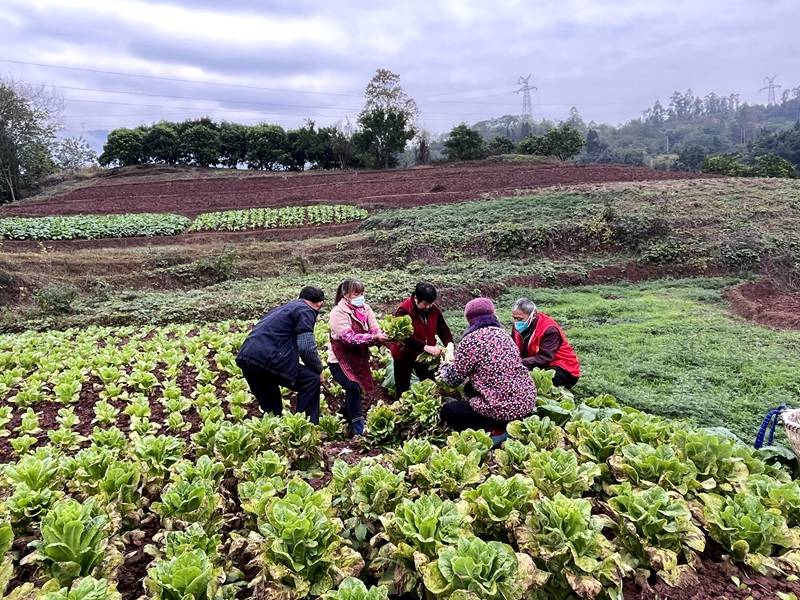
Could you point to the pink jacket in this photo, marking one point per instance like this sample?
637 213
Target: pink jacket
341 327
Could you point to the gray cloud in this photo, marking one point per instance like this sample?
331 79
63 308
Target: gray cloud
459 59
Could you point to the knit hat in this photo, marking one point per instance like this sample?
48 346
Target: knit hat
479 307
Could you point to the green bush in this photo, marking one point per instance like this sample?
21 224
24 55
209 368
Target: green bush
56 298
772 165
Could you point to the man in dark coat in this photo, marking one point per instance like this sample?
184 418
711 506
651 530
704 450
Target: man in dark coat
270 356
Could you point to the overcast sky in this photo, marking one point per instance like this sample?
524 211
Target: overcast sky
251 60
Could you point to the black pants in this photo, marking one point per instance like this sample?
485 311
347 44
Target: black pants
563 378
459 415
266 387
352 393
402 375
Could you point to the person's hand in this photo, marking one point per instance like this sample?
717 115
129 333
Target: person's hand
381 337
322 377
433 350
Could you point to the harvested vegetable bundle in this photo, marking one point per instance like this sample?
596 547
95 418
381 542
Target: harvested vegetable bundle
397 328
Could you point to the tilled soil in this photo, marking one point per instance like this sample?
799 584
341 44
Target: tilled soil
765 303
370 189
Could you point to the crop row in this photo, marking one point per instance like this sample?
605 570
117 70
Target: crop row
154 224
582 496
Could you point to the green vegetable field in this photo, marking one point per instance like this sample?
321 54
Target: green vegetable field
135 462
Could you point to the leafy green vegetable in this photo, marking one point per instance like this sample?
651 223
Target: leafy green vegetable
645 466
657 528
558 471
476 569
448 471
750 531
354 589
470 440
383 427
564 538
413 452
87 588
73 540
499 504
188 576
397 328
541 432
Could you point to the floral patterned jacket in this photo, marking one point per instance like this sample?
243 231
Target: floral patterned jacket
490 360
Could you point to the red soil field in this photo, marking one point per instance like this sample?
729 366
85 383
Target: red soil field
766 304
370 189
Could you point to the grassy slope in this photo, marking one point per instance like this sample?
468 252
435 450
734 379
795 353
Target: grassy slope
671 348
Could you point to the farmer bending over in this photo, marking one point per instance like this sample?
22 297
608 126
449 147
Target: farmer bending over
270 356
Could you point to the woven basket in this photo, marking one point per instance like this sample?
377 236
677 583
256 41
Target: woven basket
791 423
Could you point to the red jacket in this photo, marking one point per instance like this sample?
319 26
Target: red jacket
426 328
564 356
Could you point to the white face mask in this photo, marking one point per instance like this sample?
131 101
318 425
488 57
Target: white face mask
358 301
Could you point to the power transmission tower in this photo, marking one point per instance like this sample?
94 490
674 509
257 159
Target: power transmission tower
527 112
770 87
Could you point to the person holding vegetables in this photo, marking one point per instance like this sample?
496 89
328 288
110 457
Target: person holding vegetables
270 356
353 329
428 322
542 344
498 385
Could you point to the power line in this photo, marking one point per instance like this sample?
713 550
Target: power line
161 78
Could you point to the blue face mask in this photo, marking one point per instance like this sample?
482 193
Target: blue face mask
358 301
521 325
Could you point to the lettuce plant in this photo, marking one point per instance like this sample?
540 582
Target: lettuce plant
541 432
73 541
234 444
596 441
476 569
298 440
266 464
511 457
657 528
373 492
783 495
189 502
470 440
303 551
645 466
354 589
448 470
412 535
421 406
558 471
751 532
158 454
564 538
642 427
203 469
87 588
188 576
716 459
333 427
193 537
499 504
413 452
36 472
383 426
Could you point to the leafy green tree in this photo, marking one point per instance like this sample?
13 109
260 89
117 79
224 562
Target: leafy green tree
464 143
691 157
386 121
500 145
268 148
27 136
785 144
232 144
772 165
74 153
309 145
564 141
533 144
200 144
161 144
124 147
384 133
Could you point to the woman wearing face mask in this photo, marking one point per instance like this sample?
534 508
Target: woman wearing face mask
542 344
428 322
354 329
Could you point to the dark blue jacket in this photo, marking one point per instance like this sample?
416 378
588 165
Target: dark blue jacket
272 345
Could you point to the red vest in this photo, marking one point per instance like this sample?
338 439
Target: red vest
565 356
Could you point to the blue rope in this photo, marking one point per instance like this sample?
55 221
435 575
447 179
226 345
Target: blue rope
770 422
